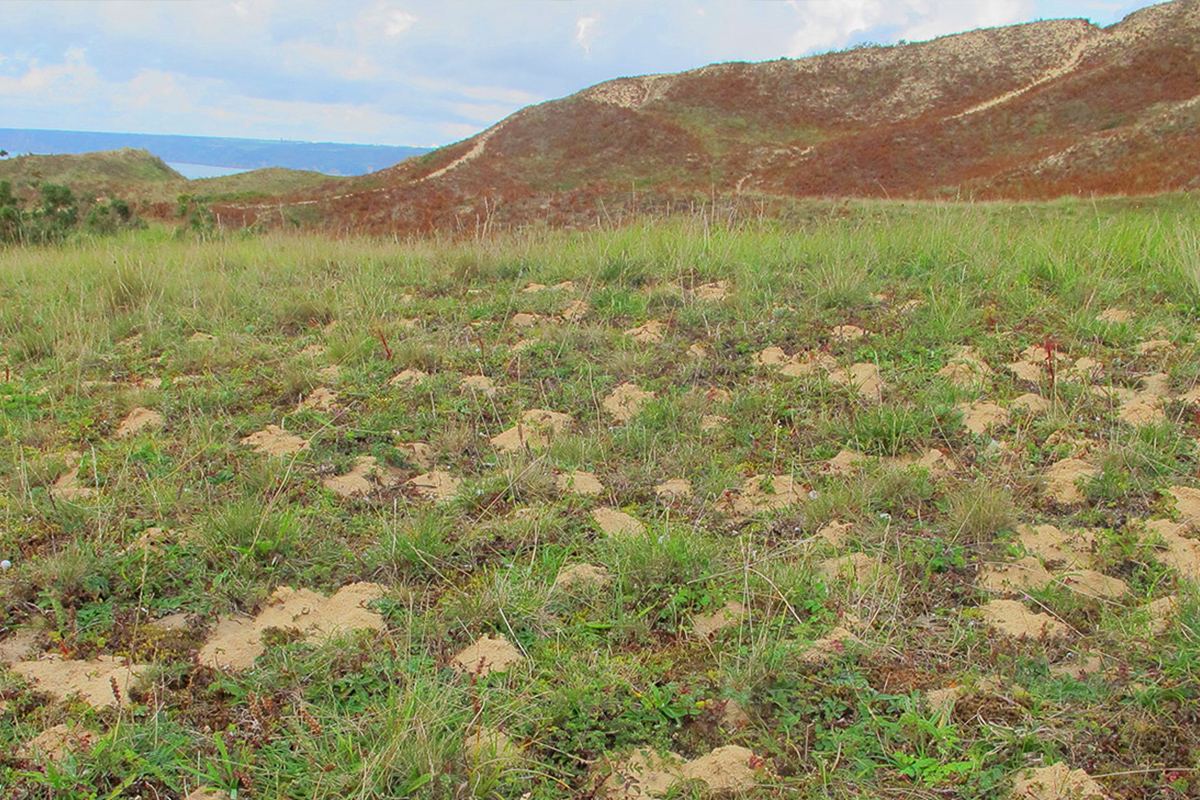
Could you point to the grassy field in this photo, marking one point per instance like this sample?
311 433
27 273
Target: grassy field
885 501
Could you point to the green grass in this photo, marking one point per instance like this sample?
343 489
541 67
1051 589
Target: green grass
93 329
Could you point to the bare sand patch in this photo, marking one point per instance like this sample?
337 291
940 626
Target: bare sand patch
330 373
362 480
580 576
68 486
526 320
616 523
978 417
419 454
1086 369
408 377
846 462
645 774
1018 577
236 642
1091 583
1063 476
942 701
201 337
314 351
138 420
1162 611
732 715
535 429
1141 410
771 357
1057 547
710 422
576 311
861 570
698 350
1114 315
1031 403
486 656
481 384
97 682
320 399
1182 553
625 401
830 646
534 288
863 377
766 493
579 482
835 533
933 460
1056 782
674 489
55 743
18 646
966 369
1187 503
650 332
486 746
275 441
1154 345
847 333
727 616
437 485
712 292
1014 619
1078 667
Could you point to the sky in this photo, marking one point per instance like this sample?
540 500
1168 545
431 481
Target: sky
412 72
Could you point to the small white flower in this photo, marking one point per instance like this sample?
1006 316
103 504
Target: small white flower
5 564
814 494
884 515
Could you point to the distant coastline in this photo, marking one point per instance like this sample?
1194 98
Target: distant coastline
201 155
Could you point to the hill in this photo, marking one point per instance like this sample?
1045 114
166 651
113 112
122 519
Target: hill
1028 111
325 157
108 170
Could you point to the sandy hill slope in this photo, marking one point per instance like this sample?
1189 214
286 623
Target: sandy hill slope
1027 111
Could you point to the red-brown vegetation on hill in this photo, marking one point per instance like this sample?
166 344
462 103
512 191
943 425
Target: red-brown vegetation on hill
1022 112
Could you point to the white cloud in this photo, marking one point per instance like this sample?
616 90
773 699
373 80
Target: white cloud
398 22
585 32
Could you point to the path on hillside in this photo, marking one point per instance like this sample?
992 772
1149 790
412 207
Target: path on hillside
1071 63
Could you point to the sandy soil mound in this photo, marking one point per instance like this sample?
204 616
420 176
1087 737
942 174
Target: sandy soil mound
847 333
275 441
674 489
525 320
966 369
366 476
617 523
1182 553
650 332
829 646
862 570
320 399
645 774
438 485
863 377
54 743
68 486
137 420
1187 503
1162 611
1017 578
481 384
1056 547
578 576
486 656
727 616
18 646
835 533
408 377
1056 782
1030 403
201 337
1115 315
712 292
1062 477
710 422
236 641
625 402
535 430
93 681
1078 667
578 482
486 746
761 493
314 351
419 454
978 417
1013 618
576 311
845 462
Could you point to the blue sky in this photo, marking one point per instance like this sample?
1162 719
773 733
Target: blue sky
411 72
